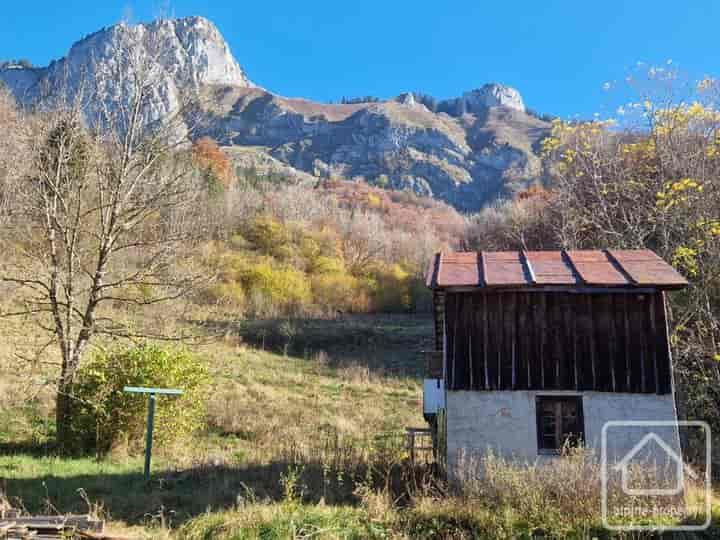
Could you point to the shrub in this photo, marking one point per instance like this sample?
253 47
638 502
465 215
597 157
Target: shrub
229 293
338 291
327 265
267 235
284 288
108 418
392 289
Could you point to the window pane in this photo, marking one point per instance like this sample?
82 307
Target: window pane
559 422
569 408
548 442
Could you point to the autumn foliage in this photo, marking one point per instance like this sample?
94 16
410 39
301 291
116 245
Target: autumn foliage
213 161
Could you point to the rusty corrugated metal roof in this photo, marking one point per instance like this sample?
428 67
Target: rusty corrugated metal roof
596 268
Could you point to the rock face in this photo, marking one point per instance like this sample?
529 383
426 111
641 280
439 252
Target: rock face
468 151
493 95
187 53
469 156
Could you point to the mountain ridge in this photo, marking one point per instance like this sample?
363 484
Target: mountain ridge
469 150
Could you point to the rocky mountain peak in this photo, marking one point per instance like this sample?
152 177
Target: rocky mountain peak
191 52
494 95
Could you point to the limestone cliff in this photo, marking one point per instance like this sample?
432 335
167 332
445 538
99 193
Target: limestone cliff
469 150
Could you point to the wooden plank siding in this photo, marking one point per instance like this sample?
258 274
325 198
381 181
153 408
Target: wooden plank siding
519 340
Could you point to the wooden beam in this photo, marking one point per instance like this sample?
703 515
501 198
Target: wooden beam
574 337
486 336
626 343
556 345
513 335
613 343
455 341
653 340
469 328
499 343
592 342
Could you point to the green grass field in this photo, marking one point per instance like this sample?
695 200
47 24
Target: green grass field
320 404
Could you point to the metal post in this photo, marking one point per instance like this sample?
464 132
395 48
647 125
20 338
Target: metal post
151 392
148 440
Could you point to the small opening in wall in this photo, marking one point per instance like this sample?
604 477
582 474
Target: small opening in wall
560 423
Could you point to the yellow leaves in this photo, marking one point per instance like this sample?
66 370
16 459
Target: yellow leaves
374 201
327 265
677 192
684 184
683 118
569 155
340 290
282 286
643 150
709 227
716 357
549 145
696 110
712 149
685 258
575 138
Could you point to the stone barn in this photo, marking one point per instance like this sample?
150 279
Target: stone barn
537 350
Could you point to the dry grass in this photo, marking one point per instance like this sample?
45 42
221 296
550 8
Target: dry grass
508 502
291 449
268 413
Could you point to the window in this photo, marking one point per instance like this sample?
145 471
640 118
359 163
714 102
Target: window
559 423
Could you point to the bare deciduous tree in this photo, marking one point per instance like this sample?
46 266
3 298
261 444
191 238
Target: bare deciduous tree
106 215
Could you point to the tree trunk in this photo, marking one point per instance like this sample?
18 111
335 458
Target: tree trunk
63 418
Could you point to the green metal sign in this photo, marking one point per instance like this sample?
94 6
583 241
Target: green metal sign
151 392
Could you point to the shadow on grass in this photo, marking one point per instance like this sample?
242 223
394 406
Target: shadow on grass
27 447
389 343
180 495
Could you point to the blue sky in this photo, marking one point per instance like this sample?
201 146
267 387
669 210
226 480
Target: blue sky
557 53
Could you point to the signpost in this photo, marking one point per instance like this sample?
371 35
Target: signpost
151 416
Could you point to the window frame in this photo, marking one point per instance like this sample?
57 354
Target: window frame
577 400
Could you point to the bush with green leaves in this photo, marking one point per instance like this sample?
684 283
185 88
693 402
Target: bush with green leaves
108 418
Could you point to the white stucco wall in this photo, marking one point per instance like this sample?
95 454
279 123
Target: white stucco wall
505 422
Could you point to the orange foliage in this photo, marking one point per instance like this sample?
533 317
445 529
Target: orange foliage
209 157
400 209
535 192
